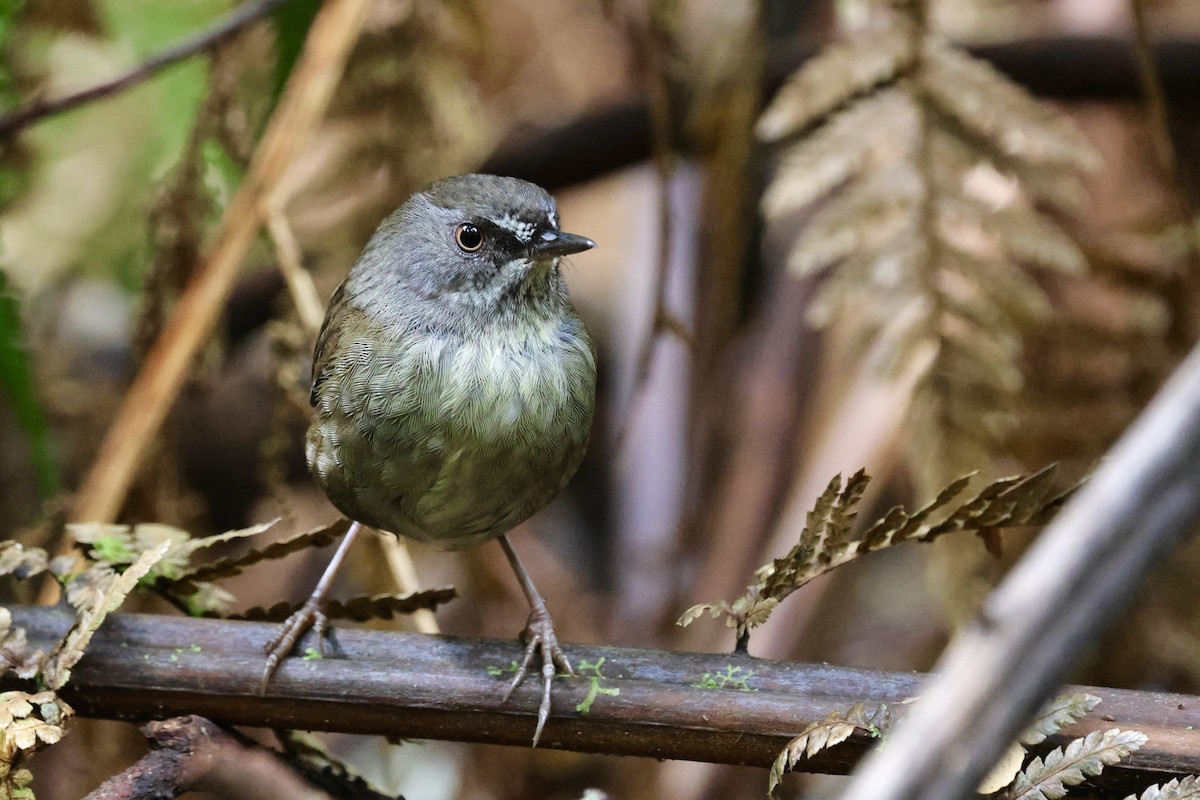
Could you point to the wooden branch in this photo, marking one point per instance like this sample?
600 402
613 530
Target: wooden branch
435 687
1068 588
204 41
311 86
193 753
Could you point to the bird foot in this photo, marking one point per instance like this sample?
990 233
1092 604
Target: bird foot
308 616
540 639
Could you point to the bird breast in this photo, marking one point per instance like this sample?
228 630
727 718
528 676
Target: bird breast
450 437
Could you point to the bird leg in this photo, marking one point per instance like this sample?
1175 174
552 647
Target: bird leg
309 615
539 638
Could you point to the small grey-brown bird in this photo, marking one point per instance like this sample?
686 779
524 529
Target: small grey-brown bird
453 384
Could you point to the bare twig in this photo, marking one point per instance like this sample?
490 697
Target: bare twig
1074 580
203 41
153 392
694 706
299 281
1182 298
193 753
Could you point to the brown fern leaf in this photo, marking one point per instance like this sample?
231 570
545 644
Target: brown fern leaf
932 171
103 595
833 730
1056 715
359 609
15 655
1179 789
20 561
1069 766
228 567
826 541
837 74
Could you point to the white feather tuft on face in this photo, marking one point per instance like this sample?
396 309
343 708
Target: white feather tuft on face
519 228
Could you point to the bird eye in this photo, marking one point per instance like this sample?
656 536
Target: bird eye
468 238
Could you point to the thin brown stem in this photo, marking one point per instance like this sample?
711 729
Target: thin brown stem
153 392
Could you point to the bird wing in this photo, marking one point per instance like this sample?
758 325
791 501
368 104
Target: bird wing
327 341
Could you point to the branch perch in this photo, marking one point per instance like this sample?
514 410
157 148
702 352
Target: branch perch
434 687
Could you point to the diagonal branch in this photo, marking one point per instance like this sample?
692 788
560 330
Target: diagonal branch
155 388
203 41
1065 591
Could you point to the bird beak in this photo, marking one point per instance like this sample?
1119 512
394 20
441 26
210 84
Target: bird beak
551 244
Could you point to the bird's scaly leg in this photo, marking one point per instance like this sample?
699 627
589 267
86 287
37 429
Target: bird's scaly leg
539 639
309 615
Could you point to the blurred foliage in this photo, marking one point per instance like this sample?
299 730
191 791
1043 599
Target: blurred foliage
291 21
17 387
928 170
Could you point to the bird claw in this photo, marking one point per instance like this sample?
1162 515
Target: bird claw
540 639
308 616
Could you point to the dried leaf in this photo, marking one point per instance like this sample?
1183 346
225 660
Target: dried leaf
833 730
105 596
694 613
1070 766
29 722
1005 770
1056 715
21 562
15 655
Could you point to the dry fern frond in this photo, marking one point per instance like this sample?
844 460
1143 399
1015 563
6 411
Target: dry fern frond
116 545
833 730
359 609
939 168
1069 766
101 596
228 567
1056 715
1179 789
21 562
877 130
15 655
28 722
837 74
988 103
826 541
864 218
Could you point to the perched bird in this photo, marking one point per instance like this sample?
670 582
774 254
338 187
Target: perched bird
453 384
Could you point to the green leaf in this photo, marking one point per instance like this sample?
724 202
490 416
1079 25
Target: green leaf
16 384
292 21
